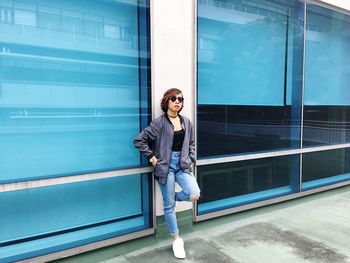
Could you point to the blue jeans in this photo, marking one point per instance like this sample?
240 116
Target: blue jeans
188 185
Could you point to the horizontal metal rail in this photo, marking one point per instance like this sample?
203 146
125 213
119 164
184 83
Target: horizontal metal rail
16 186
252 156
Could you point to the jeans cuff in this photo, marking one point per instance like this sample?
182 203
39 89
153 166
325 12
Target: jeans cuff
174 234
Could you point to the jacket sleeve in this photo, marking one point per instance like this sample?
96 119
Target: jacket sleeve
143 141
192 150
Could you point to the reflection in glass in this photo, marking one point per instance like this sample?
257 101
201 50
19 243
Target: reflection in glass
73 77
81 213
249 76
237 183
325 168
327 77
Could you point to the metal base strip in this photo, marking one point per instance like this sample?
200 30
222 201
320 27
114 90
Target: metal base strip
89 247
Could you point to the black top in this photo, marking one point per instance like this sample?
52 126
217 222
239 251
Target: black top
178 140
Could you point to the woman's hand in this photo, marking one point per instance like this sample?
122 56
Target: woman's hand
154 161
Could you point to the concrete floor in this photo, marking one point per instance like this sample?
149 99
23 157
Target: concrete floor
315 228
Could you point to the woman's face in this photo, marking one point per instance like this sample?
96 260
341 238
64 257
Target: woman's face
175 102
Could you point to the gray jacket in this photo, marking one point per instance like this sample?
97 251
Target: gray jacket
157 140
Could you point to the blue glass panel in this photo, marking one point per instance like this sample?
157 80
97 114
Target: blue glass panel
233 184
72 76
73 214
327 77
249 75
325 168
242 200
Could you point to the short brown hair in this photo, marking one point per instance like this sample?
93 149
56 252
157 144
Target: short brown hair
165 100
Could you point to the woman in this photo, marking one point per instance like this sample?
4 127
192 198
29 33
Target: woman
171 154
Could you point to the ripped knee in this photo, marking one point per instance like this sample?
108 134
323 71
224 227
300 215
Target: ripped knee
194 197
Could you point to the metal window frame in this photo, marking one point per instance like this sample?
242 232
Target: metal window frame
253 156
195 81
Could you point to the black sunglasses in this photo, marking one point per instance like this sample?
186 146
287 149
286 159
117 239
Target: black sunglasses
173 99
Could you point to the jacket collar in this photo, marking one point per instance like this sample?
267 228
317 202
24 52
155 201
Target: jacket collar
181 120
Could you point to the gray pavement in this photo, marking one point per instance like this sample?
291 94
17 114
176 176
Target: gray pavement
315 228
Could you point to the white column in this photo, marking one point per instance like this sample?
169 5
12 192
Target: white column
172 56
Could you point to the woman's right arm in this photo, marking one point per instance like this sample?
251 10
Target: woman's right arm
145 138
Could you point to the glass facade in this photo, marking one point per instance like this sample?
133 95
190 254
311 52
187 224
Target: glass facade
327 78
74 87
249 76
252 101
233 184
74 93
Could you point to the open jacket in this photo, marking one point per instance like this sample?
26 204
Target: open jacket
157 140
